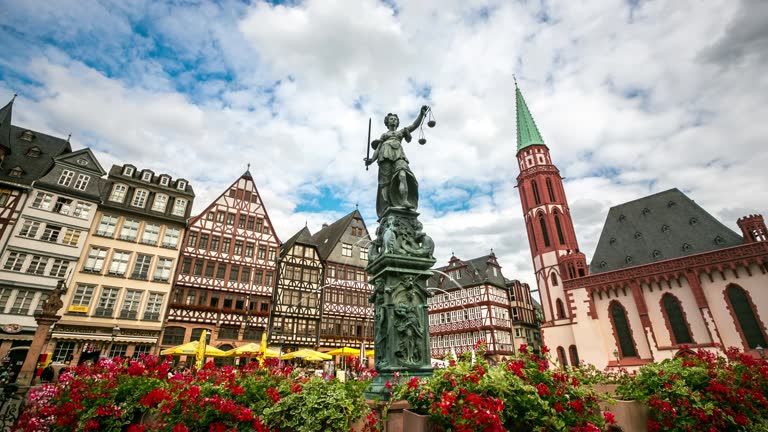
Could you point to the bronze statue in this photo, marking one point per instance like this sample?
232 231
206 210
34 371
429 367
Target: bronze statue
397 184
53 303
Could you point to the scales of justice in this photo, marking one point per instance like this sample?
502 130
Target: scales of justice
399 259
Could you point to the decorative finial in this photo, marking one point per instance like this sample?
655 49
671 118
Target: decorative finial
515 79
491 251
305 223
68 137
14 97
356 205
249 166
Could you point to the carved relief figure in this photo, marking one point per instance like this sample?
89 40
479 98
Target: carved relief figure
420 245
397 184
410 332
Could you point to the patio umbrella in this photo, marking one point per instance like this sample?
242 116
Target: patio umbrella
370 353
190 348
250 349
304 353
346 351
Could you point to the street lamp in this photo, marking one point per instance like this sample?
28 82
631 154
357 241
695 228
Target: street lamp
761 351
115 333
616 355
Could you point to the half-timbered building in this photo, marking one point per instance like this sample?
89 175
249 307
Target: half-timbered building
119 290
46 242
525 320
295 318
471 303
666 276
226 275
347 317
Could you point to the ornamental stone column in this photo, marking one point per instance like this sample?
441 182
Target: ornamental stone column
45 321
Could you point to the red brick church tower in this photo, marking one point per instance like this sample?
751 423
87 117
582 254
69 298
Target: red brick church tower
554 248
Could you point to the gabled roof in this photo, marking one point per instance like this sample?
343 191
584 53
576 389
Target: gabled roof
327 238
304 236
34 167
6 114
473 271
527 132
659 227
82 159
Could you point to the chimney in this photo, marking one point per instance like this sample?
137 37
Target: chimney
325 225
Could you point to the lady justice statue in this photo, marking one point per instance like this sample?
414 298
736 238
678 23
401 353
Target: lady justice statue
397 184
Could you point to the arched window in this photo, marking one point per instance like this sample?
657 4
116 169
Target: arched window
531 231
622 330
561 357
544 233
536 197
174 335
559 230
550 190
554 279
196 332
674 314
746 318
560 309
574 355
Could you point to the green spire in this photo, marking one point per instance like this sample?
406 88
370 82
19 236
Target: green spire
527 132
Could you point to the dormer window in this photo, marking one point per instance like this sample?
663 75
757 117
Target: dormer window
164 181
181 185
118 193
146 176
27 136
719 240
16 172
34 152
140 198
128 171
65 179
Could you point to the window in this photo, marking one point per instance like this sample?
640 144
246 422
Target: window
118 193
63 351
220 217
141 350
42 201
139 198
34 151
146 176
186 265
544 233
119 263
259 224
22 302
228 301
202 299
560 309
559 230
239 247
233 272
268 279
203 242
154 304
51 233
364 254
245 275
71 237
181 185
197 270
215 240
241 221
536 197
249 250
230 219
192 240
160 202
131 304
171 237
37 265
262 252
95 261
346 249
164 181
174 336
622 330
82 181
561 356
82 210
81 301
179 207
151 234
128 171
16 172
746 317
107 226
554 279
258 277
673 312
163 269
106 304
550 190
221 270
141 266
225 245
65 179
29 229
251 221
59 268
130 230
209 267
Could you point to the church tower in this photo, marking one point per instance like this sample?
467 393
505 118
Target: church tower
554 248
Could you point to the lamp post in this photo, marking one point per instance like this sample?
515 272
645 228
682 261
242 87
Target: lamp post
760 351
616 355
115 333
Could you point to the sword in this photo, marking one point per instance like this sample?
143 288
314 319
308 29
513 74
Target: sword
368 144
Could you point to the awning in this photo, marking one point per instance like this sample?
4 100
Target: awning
104 338
4 336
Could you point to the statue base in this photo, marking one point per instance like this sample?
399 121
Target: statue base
399 271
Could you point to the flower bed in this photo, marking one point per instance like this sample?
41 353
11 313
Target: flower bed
138 396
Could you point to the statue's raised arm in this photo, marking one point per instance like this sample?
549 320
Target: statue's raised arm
419 119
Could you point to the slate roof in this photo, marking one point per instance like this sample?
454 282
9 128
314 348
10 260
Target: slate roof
659 227
6 113
33 167
327 238
473 271
304 236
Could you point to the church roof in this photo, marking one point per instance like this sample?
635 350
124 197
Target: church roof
33 154
527 132
5 124
327 238
659 227
304 236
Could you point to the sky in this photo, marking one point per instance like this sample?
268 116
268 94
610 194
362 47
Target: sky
632 97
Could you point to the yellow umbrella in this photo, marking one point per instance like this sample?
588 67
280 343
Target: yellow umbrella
200 354
304 353
370 353
251 348
263 349
346 351
313 358
190 348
